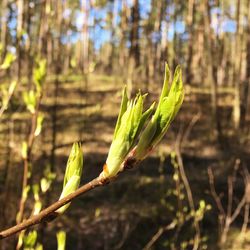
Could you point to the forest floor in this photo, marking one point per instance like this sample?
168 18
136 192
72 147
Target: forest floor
127 213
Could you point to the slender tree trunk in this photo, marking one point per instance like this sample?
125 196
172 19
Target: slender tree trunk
4 26
20 6
113 34
237 68
246 93
212 70
134 52
134 35
85 36
190 29
124 28
157 30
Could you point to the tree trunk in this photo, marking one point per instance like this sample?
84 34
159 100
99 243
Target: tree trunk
246 94
134 34
134 52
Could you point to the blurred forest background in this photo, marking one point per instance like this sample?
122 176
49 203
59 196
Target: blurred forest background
193 192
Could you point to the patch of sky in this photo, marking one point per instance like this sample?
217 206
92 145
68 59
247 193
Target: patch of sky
145 7
229 26
178 27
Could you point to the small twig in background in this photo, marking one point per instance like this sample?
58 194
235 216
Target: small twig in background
159 233
226 218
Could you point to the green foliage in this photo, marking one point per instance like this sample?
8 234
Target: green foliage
61 240
73 173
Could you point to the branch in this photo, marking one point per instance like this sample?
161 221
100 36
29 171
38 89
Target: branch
50 213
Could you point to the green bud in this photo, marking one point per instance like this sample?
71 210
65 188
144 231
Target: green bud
169 104
37 207
129 124
30 239
30 99
39 73
36 189
24 150
39 124
61 240
72 174
8 60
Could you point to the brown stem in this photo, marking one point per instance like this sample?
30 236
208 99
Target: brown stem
50 213
23 199
26 160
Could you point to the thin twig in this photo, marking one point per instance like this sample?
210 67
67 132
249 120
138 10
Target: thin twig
214 193
246 220
238 208
158 234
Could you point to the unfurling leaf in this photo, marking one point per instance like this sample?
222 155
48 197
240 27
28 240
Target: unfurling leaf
169 104
128 126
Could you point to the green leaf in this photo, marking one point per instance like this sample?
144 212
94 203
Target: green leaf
144 144
165 87
144 118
